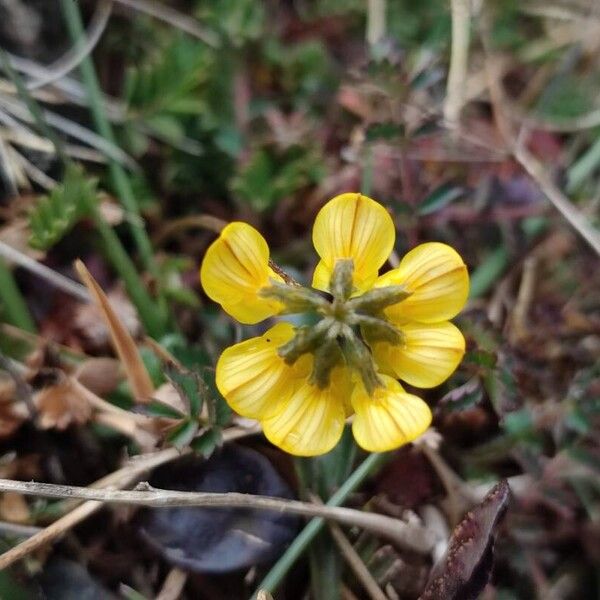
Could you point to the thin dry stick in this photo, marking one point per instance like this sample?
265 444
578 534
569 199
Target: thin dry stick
207 222
356 564
18 530
455 91
375 21
52 277
9 169
174 18
105 406
72 129
460 495
412 537
354 561
122 478
73 57
529 162
521 309
173 585
577 220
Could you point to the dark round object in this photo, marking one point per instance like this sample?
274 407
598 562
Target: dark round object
219 540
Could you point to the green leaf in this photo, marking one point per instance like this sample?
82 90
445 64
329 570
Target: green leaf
54 215
190 387
519 423
168 83
464 397
206 442
156 408
439 198
271 176
481 358
384 131
183 296
183 434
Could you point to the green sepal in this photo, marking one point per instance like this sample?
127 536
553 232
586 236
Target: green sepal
376 299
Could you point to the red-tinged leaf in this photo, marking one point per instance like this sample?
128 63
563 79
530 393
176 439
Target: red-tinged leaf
465 568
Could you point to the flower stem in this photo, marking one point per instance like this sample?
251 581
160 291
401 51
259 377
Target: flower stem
117 173
153 317
299 545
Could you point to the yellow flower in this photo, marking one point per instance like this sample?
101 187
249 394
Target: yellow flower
302 383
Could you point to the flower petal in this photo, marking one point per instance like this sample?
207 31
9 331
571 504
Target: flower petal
252 377
389 418
438 280
234 269
309 422
428 355
352 226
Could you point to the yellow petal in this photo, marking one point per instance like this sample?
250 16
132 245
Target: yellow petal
438 280
428 355
352 226
234 269
309 422
252 377
388 419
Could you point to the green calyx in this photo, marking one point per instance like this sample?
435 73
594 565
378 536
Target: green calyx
346 328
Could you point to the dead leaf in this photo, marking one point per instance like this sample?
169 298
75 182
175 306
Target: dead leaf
60 405
125 346
14 508
111 212
145 439
465 569
99 375
12 413
89 321
16 235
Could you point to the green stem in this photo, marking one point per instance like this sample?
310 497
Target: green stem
152 316
579 171
117 173
299 545
15 307
491 269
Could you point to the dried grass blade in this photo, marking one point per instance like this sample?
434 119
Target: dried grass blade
125 346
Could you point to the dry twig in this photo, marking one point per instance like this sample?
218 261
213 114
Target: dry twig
73 57
52 277
527 160
126 476
172 17
356 564
412 537
457 76
173 585
577 220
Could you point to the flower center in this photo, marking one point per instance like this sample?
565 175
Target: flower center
346 325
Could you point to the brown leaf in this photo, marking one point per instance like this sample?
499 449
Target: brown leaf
137 375
14 508
99 375
60 405
145 439
12 412
89 321
16 235
465 569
